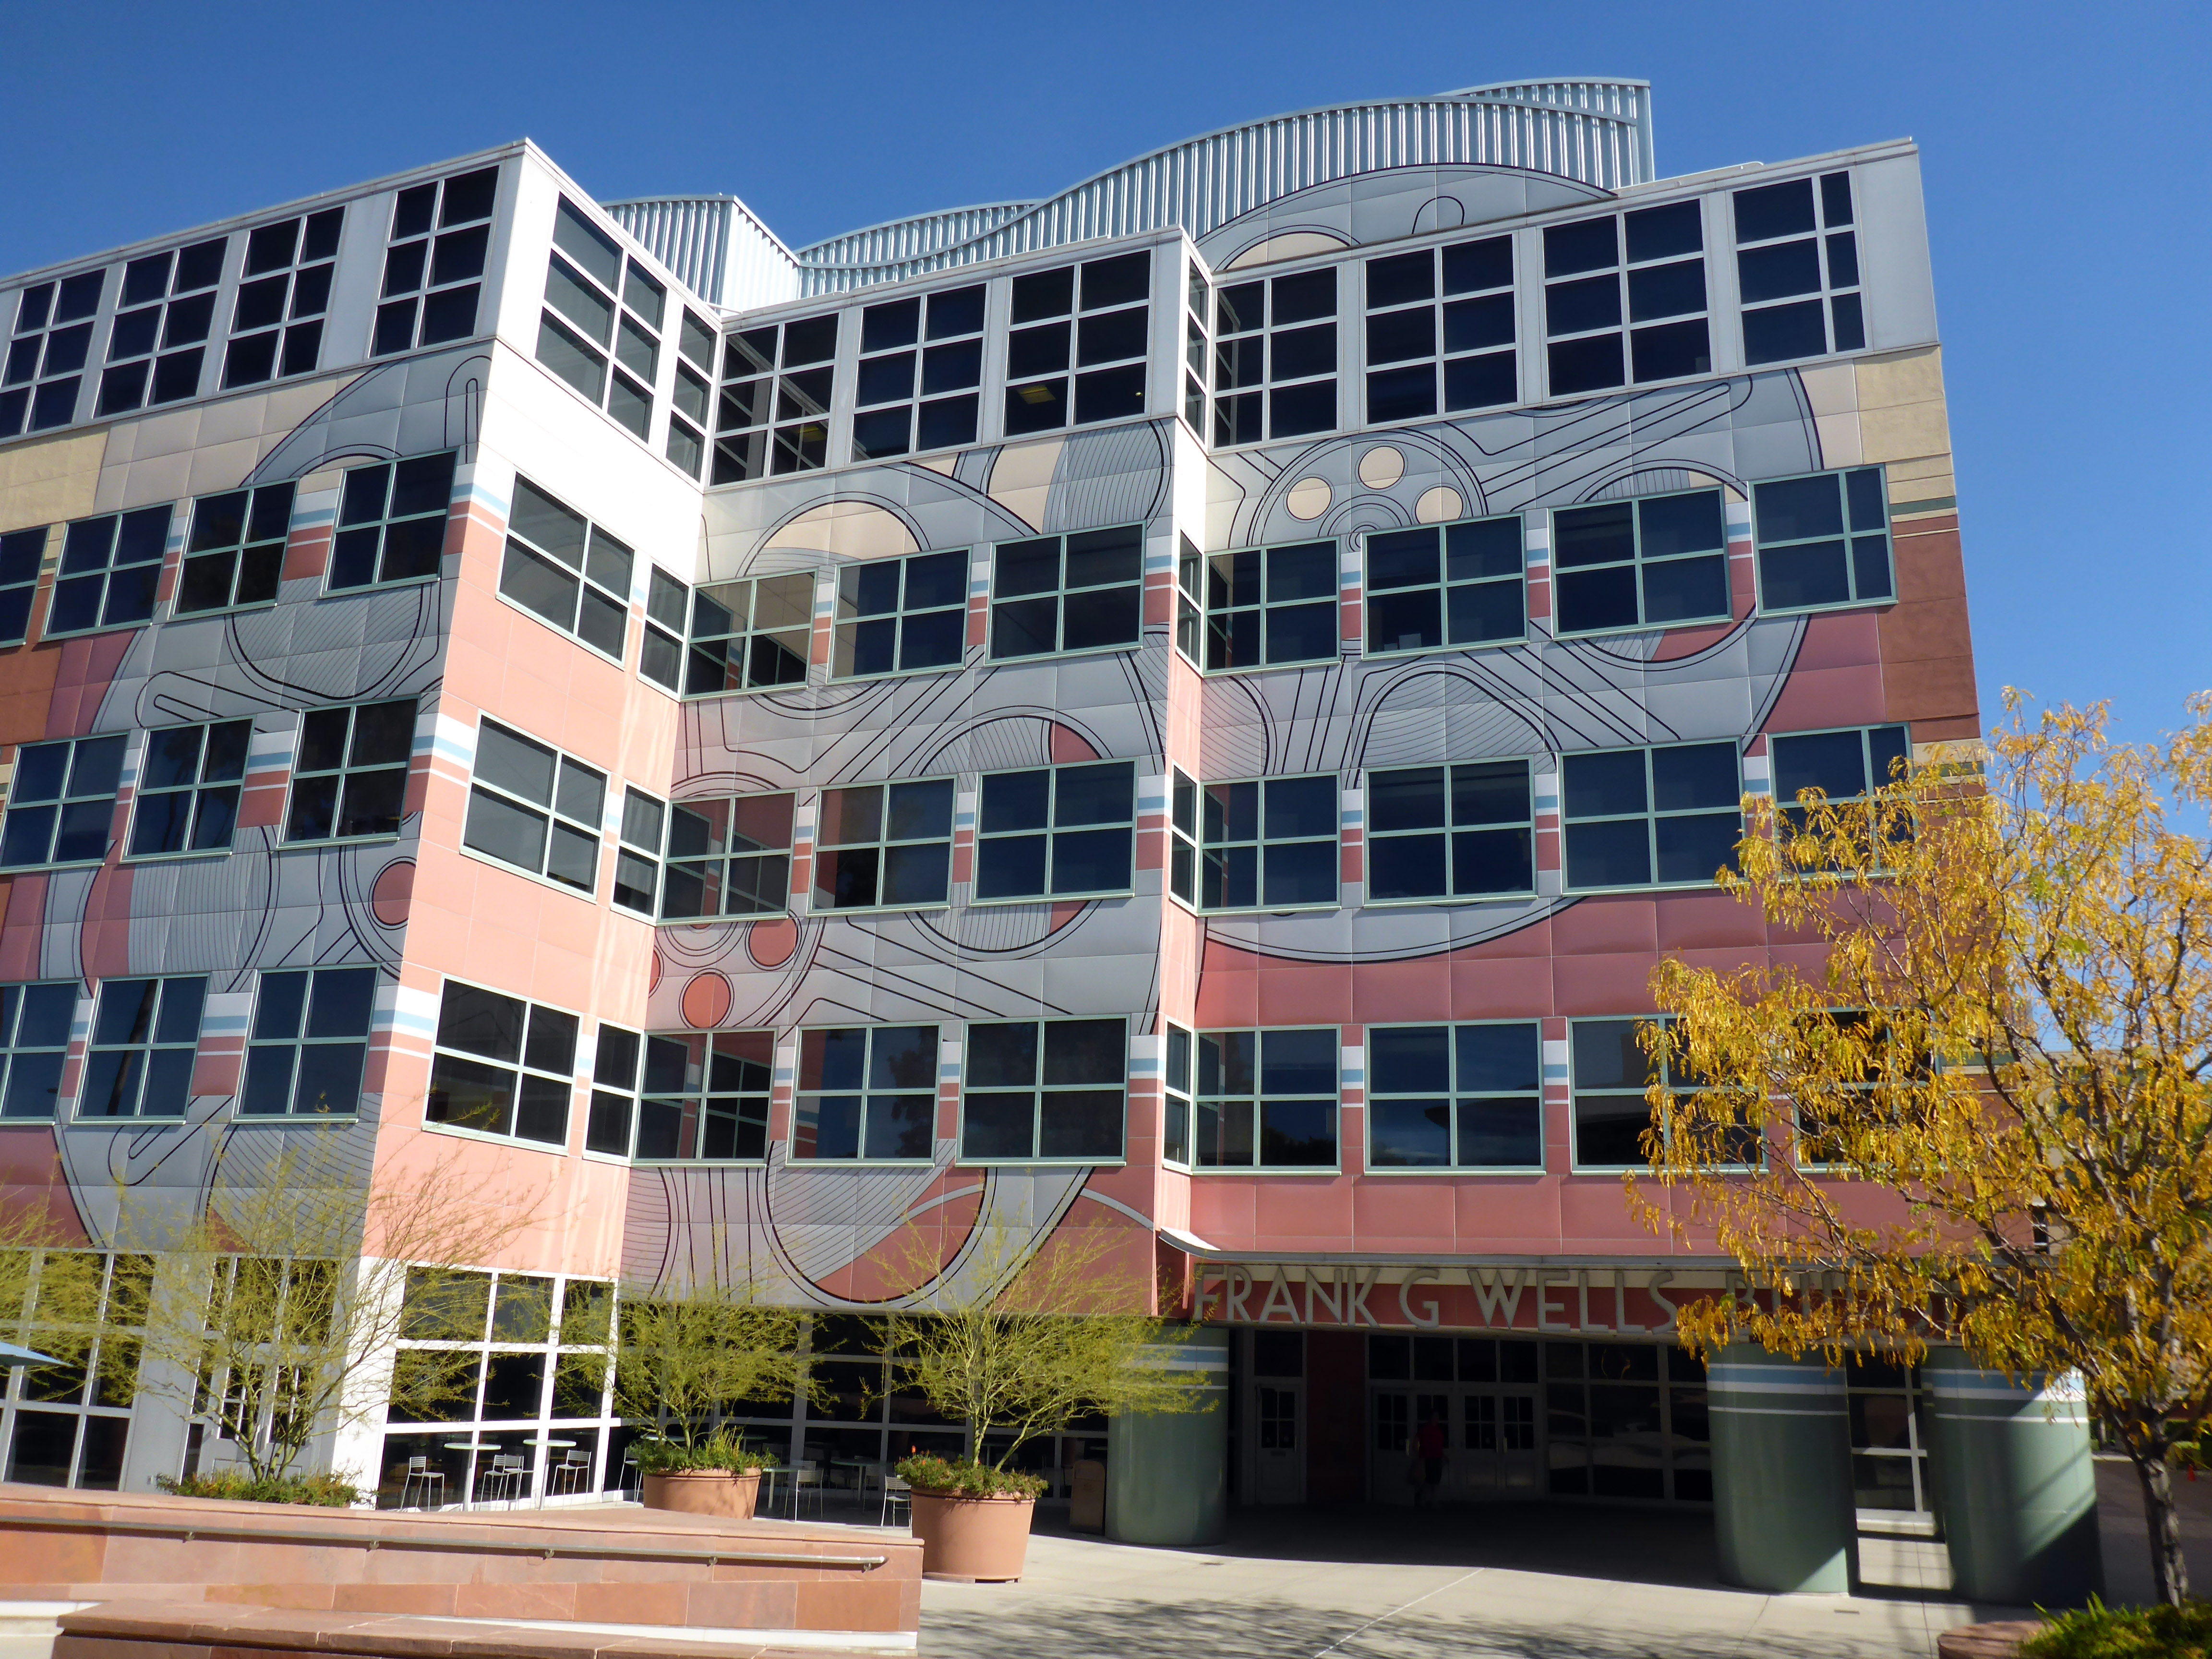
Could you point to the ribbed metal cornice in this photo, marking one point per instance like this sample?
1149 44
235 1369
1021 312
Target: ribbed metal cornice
1593 132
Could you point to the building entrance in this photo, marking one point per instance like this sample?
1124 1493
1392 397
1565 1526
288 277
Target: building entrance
1486 1404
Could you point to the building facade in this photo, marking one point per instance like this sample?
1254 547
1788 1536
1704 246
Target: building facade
1187 709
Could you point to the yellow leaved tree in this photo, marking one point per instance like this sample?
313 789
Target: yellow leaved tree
1988 1121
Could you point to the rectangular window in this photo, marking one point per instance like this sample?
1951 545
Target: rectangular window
234 552
1175 1103
1797 270
1182 839
47 354
1056 832
692 418
1610 1074
350 774
503 1066
881 845
1092 318
1632 306
1274 357
613 1116
1445 586
1440 331
1078 592
563 567
34 1035
1456 1097
158 337
706 1097
391 521
536 808
1197 348
728 857
1267 1099
1823 540
601 328
1650 818
866 1091
773 414
660 655
145 1034
21 551
921 373
433 266
900 616
1265 606
276 325
637 859
1656 562
1039 1089
310 1040
1843 766
750 635
1269 844
110 569
1464 831
61 802
188 786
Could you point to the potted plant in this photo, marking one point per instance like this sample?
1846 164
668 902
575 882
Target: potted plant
717 1476
1034 1330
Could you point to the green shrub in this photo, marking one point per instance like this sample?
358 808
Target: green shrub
2098 1631
967 1479
719 1451
326 1490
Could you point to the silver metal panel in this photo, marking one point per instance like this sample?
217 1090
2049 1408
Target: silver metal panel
715 245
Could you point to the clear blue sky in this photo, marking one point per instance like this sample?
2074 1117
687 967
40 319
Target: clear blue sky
2064 151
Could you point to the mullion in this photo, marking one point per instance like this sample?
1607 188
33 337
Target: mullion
202 792
67 822
34 1036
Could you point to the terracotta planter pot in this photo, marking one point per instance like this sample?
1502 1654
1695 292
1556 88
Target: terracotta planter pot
972 1541
704 1492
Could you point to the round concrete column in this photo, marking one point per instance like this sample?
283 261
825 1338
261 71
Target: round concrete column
2014 1486
1782 1472
1167 1473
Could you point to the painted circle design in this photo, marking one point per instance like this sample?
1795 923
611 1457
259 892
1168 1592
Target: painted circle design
770 944
1382 467
706 1000
391 894
1439 506
1309 498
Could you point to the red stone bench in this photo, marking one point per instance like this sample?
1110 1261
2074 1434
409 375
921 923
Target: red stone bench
1999 1639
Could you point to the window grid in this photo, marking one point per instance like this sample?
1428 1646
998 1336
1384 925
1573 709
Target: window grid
46 355
1457 329
536 808
1268 844
1652 561
69 1425
866 1093
1274 338
612 1116
691 419
1066 593
503 1067
111 570
1445 586
1267 1099
566 571
22 552
1823 540
637 853
1652 290
612 352
1610 1074
350 772
1845 765
1091 318
660 653
145 1033
1809 264
157 340
34 1036
729 856
1044 1091
884 847
751 635
1265 607
1668 817
277 320
1451 832
235 551
61 802
773 414
391 522
1197 349
1176 1060
1056 832
429 294
706 1098
189 781
1468 1096
900 616
309 1042
921 373
1182 838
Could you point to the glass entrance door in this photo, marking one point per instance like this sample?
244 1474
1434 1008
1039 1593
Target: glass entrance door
1280 1475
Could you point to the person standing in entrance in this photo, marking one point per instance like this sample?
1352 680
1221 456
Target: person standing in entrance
1429 1450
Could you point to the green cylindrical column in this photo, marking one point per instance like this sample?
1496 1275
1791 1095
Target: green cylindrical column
1167 1473
1782 1473
2014 1487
